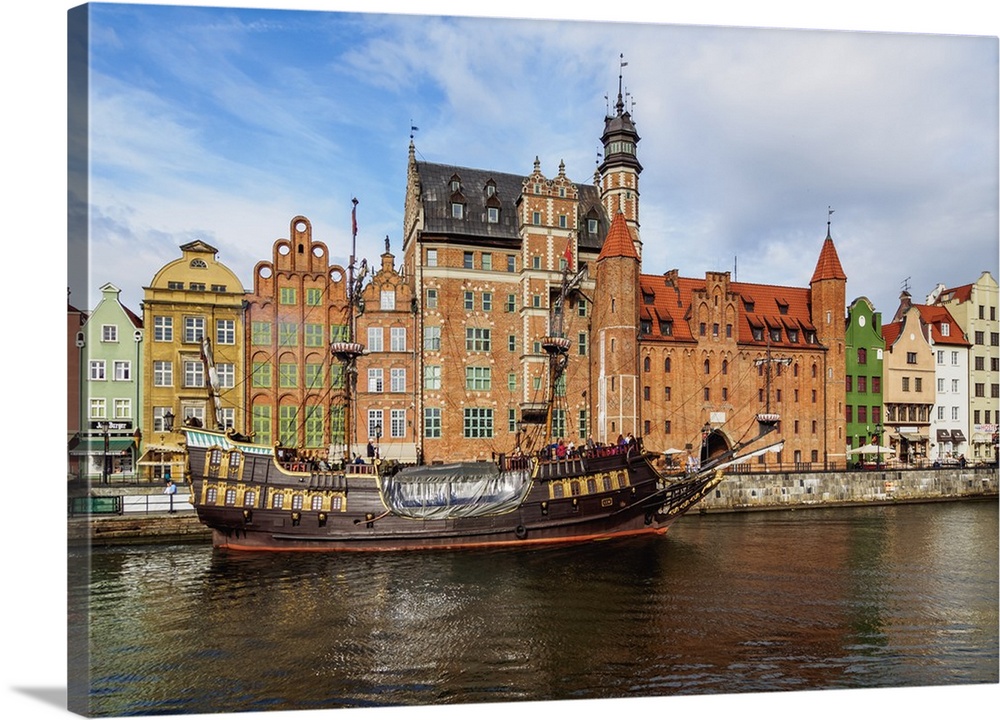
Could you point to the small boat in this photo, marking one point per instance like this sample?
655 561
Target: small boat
263 497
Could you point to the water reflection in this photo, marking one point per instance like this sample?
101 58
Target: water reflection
871 597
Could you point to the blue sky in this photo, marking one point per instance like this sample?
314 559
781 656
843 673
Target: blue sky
224 123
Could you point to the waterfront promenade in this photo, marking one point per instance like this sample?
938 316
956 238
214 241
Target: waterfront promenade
143 516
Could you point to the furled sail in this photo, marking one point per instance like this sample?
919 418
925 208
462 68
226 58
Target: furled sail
467 489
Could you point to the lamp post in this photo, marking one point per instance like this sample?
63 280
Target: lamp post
378 438
168 426
104 464
878 443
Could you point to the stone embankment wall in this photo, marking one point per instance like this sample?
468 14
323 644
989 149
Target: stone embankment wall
769 491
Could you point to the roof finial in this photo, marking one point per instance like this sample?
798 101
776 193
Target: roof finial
620 105
829 215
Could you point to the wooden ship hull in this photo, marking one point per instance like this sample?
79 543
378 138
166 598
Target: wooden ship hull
254 499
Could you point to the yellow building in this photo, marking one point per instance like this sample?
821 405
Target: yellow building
193 354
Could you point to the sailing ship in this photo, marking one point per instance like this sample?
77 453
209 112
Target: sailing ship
269 497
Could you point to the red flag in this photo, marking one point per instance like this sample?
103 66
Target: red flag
569 254
354 218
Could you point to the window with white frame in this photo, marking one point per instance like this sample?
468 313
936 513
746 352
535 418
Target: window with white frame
432 257
194 411
387 300
397 339
375 380
432 337
228 417
123 370
432 298
954 413
954 357
159 424
122 408
397 380
397 423
163 328
98 370
375 425
194 329
109 333
163 373
225 332
98 408
374 339
940 412
226 372
194 374
432 377
954 386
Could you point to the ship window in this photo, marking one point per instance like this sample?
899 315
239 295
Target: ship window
234 460
336 502
278 501
231 497
574 487
557 490
606 481
317 502
249 498
296 502
591 485
622 480
211 495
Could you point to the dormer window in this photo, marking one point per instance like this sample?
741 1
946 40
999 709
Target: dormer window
457 210
945 329
592 226
493 215
782 307
456 183
748 305
490 189
198 263
648 298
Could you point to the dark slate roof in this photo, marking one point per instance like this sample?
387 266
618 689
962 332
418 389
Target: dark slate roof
437 196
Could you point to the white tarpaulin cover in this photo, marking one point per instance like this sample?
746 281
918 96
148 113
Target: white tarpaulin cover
466 489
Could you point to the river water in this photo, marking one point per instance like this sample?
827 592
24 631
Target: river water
872 597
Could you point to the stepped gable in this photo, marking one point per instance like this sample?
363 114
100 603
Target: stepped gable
619 242
828 266
436 197
668 299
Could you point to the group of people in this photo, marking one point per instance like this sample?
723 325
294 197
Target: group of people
562 449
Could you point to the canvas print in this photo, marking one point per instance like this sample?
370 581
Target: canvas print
434 361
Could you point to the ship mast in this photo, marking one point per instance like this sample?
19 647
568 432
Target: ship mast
348 351
555 344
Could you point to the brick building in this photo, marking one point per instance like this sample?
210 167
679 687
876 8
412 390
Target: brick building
662 356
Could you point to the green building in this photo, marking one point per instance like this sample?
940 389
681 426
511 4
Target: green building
110 344
864 347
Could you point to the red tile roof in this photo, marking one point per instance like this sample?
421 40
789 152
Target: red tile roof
618 243
669 298
828 266
936 316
